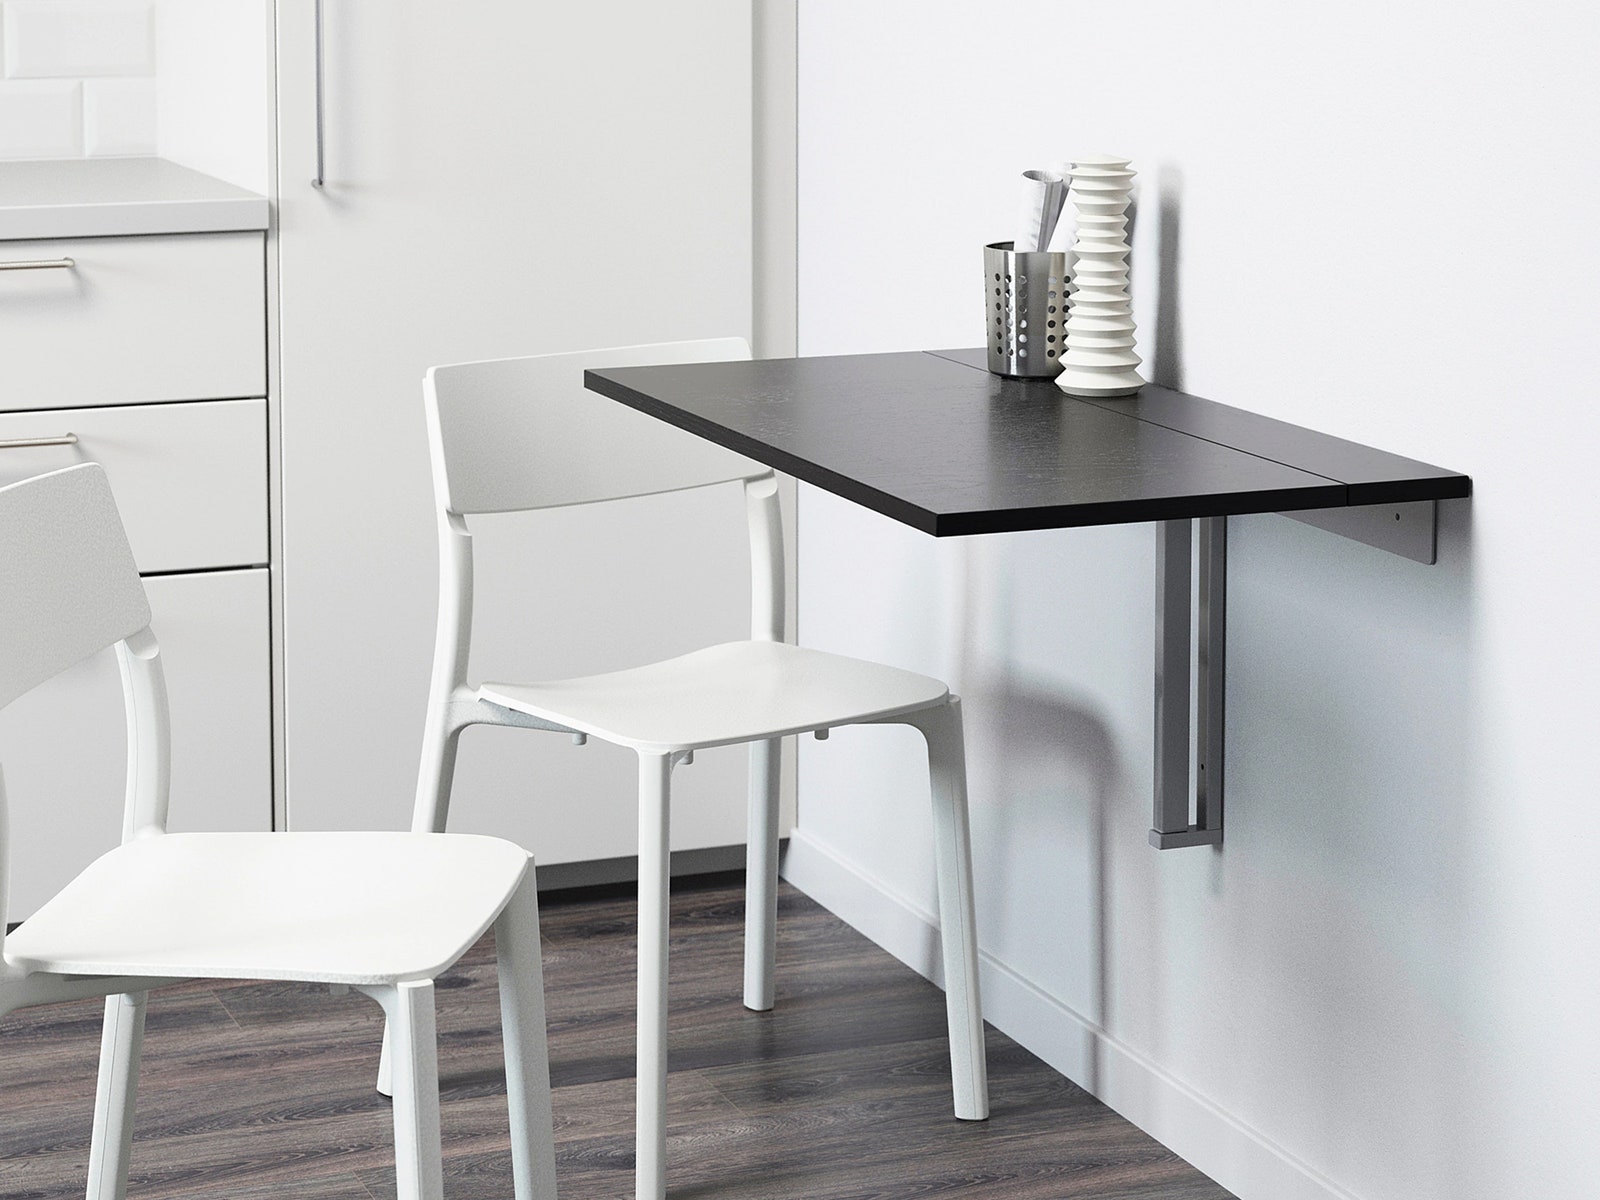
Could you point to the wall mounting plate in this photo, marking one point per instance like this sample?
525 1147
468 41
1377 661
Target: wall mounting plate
1410 529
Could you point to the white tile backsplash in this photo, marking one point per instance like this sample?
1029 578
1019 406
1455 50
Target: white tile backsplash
119 116
77 77
40 118
53 39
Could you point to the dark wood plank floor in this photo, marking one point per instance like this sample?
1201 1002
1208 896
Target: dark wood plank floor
256 1090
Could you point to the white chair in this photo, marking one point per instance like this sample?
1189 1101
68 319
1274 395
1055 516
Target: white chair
523 434
384 913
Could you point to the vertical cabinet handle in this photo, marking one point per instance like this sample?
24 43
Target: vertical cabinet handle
317 179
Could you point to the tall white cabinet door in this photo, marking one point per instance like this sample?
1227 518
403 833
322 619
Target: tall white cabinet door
500 178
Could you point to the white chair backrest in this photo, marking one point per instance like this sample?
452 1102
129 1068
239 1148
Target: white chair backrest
524 433
68 584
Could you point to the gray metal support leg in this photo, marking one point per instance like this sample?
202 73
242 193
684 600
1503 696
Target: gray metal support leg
1175 700
1212 693
1173 552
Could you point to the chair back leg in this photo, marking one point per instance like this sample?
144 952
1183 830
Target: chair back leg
438 769
121 1041
428 815
522 1023
650 1138
761 877
947 770
418 1165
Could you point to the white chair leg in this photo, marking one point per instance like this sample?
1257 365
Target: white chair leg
947 769
440 737
121 1039
761 877
522 1024
385 1065
650 1136
418 1167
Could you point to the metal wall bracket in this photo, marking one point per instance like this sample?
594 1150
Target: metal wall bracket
1178 626
1409 529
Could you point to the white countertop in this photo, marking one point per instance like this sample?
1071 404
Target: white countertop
110 197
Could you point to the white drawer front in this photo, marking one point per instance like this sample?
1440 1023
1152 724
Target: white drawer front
133 320
62 745
190 479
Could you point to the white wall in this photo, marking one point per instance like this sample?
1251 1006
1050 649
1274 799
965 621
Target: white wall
185 79
1377 220
77 78
214 97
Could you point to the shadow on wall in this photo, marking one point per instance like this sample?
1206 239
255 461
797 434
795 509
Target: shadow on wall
1166 359
1160 193
1057 766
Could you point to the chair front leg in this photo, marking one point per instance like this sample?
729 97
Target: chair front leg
121 1040
650 1107
522 1024
947 770
761 877
418 1166
385 1084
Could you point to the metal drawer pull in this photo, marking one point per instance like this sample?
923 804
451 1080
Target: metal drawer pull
64 439
39 264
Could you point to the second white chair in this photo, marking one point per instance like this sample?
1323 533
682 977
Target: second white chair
523 434
385 913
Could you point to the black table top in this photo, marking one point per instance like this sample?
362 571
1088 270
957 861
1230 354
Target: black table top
935 441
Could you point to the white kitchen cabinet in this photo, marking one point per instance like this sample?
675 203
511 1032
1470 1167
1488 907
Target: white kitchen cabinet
127 341
499 179
190 479
132 319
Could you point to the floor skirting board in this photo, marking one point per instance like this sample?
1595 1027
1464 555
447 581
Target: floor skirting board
708 860
1236 1156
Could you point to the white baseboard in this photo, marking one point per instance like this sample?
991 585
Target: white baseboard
1230 1152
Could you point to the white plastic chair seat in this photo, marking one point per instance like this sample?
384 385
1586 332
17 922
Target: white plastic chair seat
354 908
722 695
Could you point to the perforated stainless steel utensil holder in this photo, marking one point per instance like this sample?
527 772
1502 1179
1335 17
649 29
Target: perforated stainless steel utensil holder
1026 298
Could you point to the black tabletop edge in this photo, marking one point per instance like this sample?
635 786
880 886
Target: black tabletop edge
1401 491
1167 508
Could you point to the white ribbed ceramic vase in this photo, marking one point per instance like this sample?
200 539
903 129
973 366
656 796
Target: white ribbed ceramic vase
1099 358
